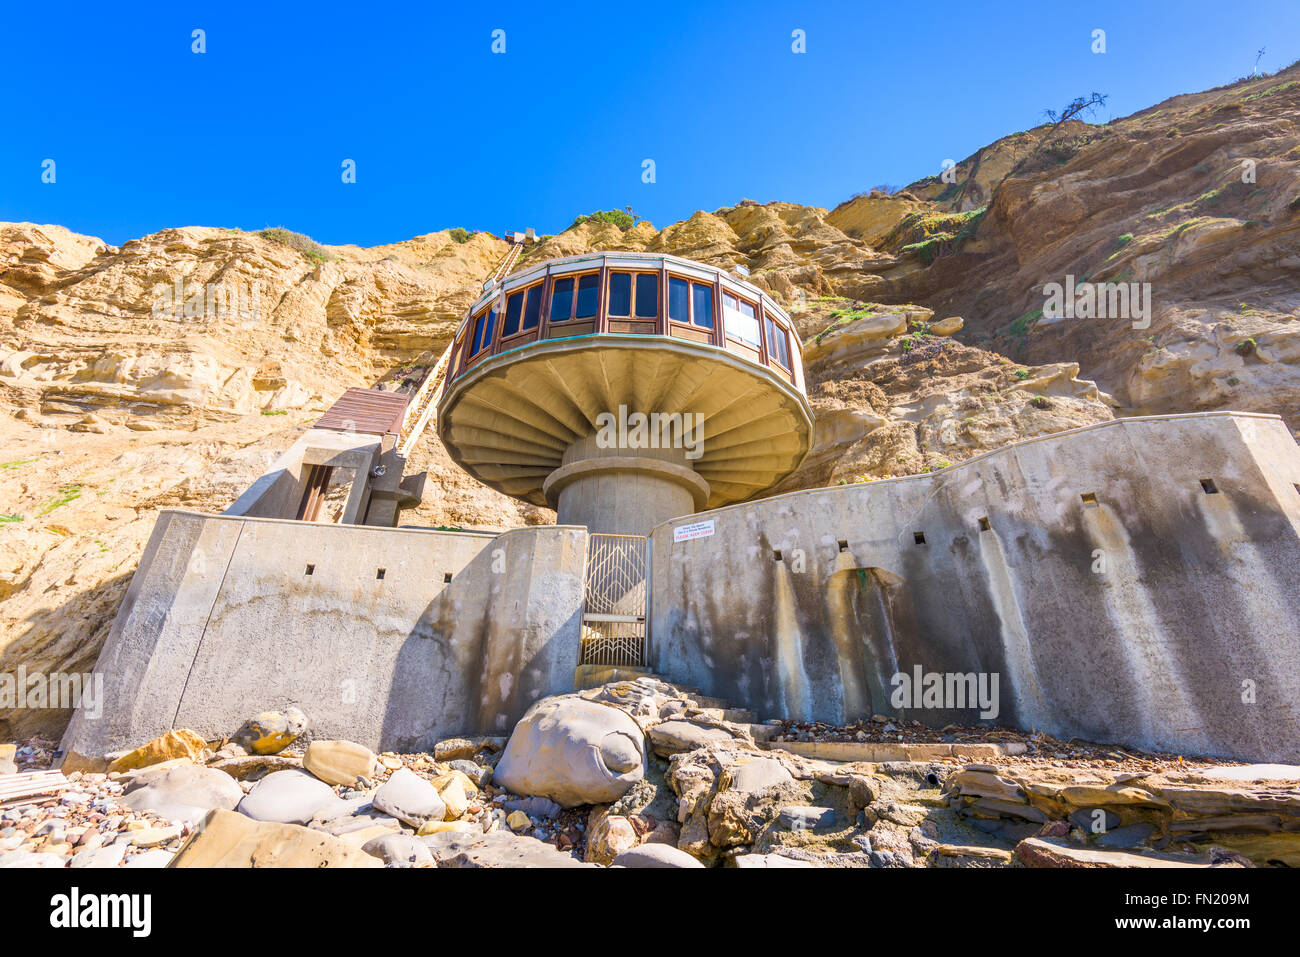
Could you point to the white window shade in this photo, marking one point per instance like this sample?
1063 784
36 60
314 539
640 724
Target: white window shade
740 320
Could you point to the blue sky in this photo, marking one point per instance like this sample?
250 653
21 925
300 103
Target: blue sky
146 134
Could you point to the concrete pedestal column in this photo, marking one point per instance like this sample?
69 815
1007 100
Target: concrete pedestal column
623 491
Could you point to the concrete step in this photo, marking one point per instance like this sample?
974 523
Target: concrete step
593 676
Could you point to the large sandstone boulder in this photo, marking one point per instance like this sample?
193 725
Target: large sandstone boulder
574 752
291 797
339 762
410 798
655 856
182 794
1039 852
177 743
399 850
227 839
676 736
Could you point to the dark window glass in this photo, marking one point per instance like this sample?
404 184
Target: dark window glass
587 288
478 334
562 300
777 344
534 308
702 300
489 324
620 293
514 308
679 291
647 295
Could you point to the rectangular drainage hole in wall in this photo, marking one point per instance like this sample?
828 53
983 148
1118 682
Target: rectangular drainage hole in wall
1089 499
311 569
379 574
1208 486
776 554
984 524
446 579
918 537
844 545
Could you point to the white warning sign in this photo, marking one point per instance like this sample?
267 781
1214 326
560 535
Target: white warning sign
684 533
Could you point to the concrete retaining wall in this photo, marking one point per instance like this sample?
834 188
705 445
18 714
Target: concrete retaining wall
1150 618
222 620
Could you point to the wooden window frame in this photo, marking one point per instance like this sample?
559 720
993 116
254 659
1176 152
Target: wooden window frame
690 304
573 302
631 305
758 319
473 332
523 292
771 353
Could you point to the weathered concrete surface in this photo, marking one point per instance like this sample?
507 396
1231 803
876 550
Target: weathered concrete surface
1150 618
623 491
222 620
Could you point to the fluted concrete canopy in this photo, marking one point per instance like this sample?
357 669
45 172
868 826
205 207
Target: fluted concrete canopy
509 419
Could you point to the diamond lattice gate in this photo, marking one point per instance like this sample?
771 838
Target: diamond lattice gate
613 625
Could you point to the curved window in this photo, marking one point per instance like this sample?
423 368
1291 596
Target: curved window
514 312
483 326
574 297
522 309
679 299
690 302
588 287
562 299
633 295
778 345
647 295
533 307
620 294
740 319
702 305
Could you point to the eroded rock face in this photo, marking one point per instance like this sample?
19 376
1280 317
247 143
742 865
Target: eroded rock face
1212 237
727 794
894 395
1253 812
573 751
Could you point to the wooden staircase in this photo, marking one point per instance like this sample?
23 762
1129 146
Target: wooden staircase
424 400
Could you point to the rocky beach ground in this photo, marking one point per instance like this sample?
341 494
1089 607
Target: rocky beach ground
645 774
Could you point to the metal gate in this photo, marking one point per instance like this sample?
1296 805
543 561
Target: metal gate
613 624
